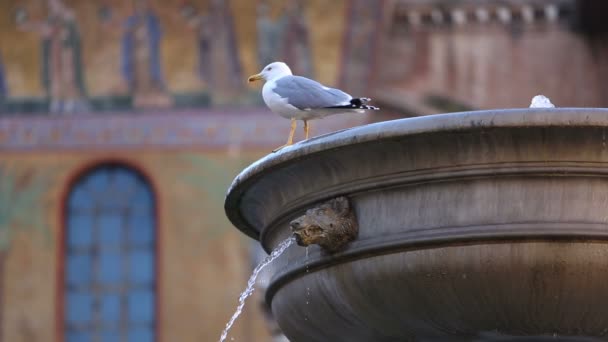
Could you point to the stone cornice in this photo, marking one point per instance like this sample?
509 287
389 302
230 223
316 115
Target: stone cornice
418 14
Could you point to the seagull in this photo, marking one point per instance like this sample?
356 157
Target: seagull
300 98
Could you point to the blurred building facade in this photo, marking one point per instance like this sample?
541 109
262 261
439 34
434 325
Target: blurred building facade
122 124
468 54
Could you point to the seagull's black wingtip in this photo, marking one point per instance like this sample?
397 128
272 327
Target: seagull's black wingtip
359 103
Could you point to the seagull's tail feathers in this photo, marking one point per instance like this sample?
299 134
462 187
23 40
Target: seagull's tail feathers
357 103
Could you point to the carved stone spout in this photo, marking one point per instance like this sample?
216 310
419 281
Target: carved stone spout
331 225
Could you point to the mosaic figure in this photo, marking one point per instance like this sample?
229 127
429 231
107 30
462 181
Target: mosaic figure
141 63
227 75
62 69
200 23
3 86
219 66
269 35
296 41
359 46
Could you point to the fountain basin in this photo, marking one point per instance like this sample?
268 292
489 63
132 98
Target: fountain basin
487 225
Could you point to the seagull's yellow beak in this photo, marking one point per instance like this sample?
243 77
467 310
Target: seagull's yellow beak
255 77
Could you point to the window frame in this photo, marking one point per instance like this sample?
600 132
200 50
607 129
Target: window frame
72 181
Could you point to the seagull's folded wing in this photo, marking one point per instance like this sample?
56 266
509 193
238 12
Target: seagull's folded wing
304 93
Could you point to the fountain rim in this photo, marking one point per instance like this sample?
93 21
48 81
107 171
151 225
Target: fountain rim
388 130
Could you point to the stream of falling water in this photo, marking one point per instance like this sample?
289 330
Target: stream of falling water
251 283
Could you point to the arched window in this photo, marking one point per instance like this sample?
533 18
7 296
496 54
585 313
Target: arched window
110 258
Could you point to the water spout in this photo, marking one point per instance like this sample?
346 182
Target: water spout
251 283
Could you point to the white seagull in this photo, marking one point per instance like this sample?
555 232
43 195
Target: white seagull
300 98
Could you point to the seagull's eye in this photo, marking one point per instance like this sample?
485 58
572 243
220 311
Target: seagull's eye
269 68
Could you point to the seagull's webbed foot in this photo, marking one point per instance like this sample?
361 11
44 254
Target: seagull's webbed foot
279 148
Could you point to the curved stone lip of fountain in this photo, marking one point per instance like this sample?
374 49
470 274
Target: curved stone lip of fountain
451 208
395 129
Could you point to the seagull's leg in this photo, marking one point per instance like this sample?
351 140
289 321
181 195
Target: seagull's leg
292 131
290 138
306 128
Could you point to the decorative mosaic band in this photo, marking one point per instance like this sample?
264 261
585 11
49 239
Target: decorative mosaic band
210 128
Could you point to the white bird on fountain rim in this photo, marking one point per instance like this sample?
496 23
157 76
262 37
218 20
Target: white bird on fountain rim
300 98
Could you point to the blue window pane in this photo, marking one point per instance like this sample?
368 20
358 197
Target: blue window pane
124 180
141 229
142 267
110 268
140 306
73 336
80 230
79 269
142 201
111 336
110 309
80 199
110 228
79 307
98 181
141 334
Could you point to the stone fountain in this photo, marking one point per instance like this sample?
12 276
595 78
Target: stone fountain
474 226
